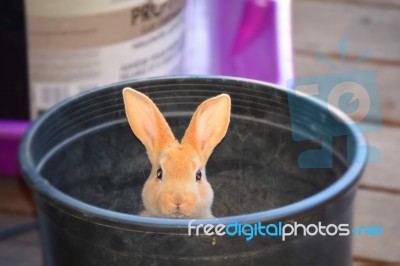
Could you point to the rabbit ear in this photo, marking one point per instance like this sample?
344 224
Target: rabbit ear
147 122
209 124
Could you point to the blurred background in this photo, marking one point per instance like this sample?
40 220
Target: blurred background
51 51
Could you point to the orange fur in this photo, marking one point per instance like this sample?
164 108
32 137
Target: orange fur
147 122
178 194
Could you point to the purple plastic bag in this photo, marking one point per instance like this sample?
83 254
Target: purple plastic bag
10 134
244 38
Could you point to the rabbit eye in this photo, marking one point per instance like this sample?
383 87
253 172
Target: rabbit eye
198 175
159 173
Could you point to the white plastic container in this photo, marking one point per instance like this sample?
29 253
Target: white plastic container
76 45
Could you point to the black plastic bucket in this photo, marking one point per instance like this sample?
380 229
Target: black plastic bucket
86 169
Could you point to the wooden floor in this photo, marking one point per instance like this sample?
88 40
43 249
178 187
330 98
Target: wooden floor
23 249
318 25
16 208
373 25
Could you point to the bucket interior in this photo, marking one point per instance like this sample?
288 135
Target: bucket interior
87 150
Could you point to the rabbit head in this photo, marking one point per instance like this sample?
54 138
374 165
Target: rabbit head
177 186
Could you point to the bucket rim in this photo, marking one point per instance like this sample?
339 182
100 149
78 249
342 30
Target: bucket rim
86 211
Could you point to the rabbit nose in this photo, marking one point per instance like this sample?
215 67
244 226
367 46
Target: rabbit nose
177 199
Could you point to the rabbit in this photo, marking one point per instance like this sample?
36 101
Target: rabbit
177 186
